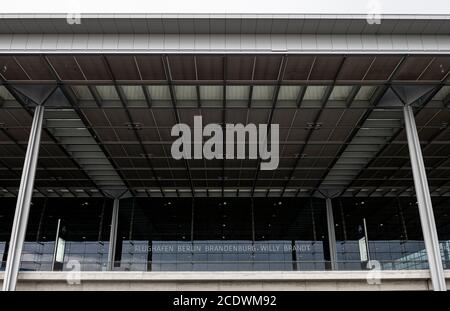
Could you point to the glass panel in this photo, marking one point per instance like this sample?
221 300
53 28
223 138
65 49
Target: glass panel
5 94
237 92
186 92
365 92
211 92
263 92
393 232
133 92
107 92
159 92
314 93
340 92
82 92
84 230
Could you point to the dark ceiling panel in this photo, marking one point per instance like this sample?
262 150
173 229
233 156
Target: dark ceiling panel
428 134
284 132
298 67
330 117
66 67
11 151
125 162
36 67
96 117
14 118
351 117
116 151
211 115
437 70
382 68
312 150
391 150
187 116
165 134
433 117
155 150
106 135
355 67
182 67
20 116
297 134
10 69
142 116
258 116
18 134
413 67
433 150
326 68
123 67
304 116
151 67
3 136
289 150
164 117
62 184
116 117
283 116
56 163
330 150
236 115
321 134
51 150
210 67
340 134
240 67
138 162
94 67
160 163
267 67
425 116
126 134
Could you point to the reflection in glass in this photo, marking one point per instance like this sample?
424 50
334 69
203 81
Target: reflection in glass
233 234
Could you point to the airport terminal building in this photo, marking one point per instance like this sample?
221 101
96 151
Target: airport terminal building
354 111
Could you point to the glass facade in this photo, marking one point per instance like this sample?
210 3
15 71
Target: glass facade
393 230
233 234
442 215
83 233
217 234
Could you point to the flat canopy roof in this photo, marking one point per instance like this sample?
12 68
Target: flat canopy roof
225 24
107 123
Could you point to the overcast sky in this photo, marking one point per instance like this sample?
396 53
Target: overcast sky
228 6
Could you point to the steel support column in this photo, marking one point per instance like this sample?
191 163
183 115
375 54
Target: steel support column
23 202
331 234
424 201
113 234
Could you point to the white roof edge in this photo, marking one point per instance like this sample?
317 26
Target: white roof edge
223 15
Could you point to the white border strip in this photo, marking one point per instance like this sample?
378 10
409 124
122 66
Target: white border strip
232 43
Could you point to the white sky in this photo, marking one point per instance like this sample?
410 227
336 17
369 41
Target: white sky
228 6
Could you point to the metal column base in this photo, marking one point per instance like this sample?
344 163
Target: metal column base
113 234
331 234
